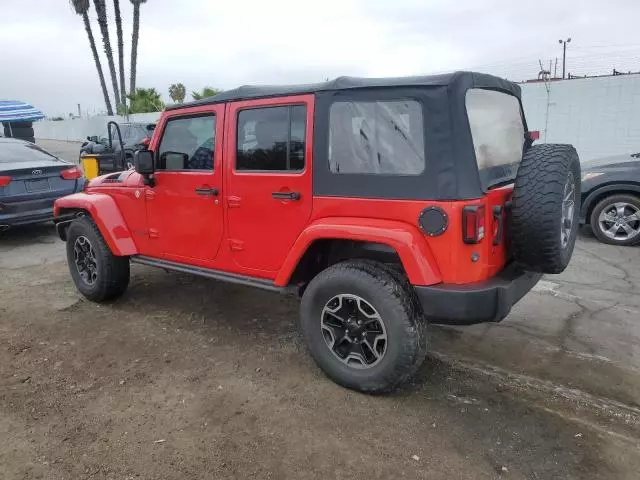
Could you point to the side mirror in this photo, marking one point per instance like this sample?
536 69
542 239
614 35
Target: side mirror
143 162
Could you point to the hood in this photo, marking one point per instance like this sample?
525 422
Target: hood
110 178
609 163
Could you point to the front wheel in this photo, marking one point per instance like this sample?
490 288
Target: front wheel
363 326
616 220
98 274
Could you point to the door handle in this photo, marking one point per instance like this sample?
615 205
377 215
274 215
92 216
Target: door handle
286 195
207 192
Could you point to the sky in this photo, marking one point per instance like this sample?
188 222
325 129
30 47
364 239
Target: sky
45 58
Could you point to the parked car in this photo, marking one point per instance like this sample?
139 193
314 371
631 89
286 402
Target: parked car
611 198
30 180
134 136
385 204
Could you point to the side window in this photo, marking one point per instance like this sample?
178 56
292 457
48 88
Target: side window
496 125
384 137
271 138
188 143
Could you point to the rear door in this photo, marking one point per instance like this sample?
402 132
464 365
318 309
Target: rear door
185 215
269 196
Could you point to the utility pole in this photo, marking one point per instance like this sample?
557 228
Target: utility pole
564 54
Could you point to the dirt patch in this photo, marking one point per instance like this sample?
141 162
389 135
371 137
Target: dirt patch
186 378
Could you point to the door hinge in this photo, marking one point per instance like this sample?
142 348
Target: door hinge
236 245
233 201
153 233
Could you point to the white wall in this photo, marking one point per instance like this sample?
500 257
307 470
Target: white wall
599 116
78 129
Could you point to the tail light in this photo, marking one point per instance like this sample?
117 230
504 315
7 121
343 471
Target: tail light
71 173
4 181
473 223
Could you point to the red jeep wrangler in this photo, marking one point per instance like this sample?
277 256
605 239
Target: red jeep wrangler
385 203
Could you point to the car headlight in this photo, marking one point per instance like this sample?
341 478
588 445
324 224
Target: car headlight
590 175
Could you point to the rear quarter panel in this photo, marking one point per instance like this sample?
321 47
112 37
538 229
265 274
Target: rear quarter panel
427 260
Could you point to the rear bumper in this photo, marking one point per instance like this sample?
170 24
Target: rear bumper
487 301
24 213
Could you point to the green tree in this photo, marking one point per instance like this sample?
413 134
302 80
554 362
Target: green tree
101 11
144 100
81 7
116 8
177 92
206 92
134 41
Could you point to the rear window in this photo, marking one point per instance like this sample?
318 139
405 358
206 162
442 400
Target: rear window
12 151
498 134
384 137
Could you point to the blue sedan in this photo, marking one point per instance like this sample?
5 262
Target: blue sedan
31 179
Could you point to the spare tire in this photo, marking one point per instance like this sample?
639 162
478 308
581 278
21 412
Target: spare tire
546 202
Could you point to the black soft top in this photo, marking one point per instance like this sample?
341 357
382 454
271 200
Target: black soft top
461 81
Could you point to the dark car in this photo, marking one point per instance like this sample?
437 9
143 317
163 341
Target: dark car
611 198
133 136
31 179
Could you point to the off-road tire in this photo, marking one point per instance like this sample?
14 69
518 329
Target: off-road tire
537 207
604 203
113 271
391 295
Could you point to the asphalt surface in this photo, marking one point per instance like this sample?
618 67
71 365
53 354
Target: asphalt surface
69 151
189 378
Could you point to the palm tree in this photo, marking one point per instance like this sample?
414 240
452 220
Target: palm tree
144 100
134 41
116 8
81 7
177 92
206 92
101 10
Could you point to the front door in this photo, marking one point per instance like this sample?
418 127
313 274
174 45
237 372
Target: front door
269 196
185 214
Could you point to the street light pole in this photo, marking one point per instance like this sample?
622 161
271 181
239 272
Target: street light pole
564 54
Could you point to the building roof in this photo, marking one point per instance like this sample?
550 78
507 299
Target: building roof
463 80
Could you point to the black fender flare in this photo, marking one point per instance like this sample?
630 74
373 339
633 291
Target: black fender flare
596 193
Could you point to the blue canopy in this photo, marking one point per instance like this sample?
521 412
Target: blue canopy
15 111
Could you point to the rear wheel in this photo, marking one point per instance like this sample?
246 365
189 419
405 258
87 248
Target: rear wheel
616 220
98 274
546 202
362 326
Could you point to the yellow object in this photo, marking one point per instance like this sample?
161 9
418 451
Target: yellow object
90 167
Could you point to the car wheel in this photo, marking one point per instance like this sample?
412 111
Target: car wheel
546 202
363 326
97 273
616 220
